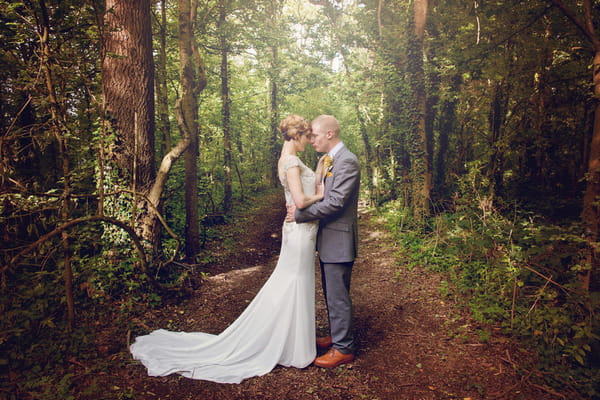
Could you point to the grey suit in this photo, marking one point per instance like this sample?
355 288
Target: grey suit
337 243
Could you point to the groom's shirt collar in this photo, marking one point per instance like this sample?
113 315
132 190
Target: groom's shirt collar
335 149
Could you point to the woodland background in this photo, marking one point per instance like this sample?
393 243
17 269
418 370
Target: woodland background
130 128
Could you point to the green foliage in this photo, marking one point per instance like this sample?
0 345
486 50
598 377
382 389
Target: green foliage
513 270
349 59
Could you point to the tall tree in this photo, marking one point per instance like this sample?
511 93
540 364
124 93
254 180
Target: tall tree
188 121
392 135
591 210
419 147
61 132
162 93
225 104
447 124
273 15
497 119
128 87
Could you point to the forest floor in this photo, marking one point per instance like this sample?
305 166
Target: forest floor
415 342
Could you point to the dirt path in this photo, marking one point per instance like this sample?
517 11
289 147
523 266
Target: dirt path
414 343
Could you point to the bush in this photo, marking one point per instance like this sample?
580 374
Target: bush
514 270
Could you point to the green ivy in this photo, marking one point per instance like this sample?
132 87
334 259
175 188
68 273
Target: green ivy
513 270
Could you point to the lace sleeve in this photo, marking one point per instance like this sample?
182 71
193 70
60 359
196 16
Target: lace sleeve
286 163
289 162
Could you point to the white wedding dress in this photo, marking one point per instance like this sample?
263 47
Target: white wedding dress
277 327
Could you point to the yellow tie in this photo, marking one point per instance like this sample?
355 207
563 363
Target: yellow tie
327 164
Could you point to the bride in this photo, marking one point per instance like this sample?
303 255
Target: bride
278 326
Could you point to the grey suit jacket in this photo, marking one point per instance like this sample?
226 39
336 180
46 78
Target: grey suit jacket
337 239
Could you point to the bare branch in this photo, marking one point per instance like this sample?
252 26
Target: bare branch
584 26
95 218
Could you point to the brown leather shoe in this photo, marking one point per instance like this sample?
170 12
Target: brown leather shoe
333 358
323 343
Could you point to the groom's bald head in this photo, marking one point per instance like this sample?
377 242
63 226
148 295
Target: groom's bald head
327 123
325 133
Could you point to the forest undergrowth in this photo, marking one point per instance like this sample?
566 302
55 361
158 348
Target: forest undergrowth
503 273
515 271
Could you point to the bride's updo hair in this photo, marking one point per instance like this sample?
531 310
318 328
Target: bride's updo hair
293 126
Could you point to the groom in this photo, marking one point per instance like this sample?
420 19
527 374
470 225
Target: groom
337 239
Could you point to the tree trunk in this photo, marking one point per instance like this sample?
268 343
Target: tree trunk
420 159
368 154
189 125
61 132
446 126
431 102
590 214
162 93
496 121
591 211
274 8
274 111
128 87
420 9
225 107
542 94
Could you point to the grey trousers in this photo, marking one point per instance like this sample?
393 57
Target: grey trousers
336 289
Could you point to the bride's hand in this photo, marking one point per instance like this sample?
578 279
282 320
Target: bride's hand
320 190
289 216
319 171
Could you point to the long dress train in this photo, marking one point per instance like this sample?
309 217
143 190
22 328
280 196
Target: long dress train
277 327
